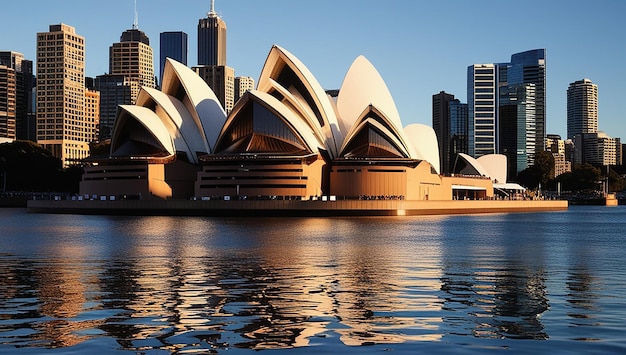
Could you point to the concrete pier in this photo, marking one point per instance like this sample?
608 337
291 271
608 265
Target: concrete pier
291 207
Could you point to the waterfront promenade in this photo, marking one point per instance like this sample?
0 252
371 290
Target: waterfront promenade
292 207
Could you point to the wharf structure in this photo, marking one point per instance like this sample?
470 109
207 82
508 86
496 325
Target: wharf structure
287 148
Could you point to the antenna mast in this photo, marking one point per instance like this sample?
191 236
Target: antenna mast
136 22
212 10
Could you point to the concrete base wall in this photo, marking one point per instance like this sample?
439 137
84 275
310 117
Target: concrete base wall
292 207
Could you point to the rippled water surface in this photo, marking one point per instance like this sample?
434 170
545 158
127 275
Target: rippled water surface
523 282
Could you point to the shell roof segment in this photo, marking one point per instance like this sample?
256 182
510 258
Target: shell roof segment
185 85
424 141
287 79
262 122
139 132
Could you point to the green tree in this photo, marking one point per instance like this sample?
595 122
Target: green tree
29 167
582 178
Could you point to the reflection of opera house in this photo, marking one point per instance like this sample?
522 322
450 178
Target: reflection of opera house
287 140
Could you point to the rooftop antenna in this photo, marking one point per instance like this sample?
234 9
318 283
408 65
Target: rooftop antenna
136 22
212 12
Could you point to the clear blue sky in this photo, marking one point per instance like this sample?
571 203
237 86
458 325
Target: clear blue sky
419 47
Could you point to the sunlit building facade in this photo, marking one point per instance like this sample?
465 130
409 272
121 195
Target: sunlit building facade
582 108
61 123
132 57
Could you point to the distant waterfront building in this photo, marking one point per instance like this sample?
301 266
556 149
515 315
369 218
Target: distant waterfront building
17 117
114 90
243 84
61 123
597 148
517 127
557 146
529 67
482 102
212 39
172 44
132 57
582 108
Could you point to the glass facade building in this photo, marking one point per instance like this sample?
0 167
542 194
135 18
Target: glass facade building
529 67
173 45
482 102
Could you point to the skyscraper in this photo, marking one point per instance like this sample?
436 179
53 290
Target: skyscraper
212 59
114 90
211 39
173 44
441 126
517 127
243 84
529 67
61 124
582 108
458 130
17 120
482 102
132 57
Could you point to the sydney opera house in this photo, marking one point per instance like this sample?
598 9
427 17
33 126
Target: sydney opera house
287 148
288 139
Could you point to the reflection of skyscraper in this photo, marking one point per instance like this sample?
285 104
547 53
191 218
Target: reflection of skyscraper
212 39
172 45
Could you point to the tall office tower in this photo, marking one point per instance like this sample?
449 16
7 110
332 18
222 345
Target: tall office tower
458 130
61 125
582 108
441 125
482 102
221 79
132 57
243 84
114 90
529 67
172 45
517 127
16 87
92 114
211 39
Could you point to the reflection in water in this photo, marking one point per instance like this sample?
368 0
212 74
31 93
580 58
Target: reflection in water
185 284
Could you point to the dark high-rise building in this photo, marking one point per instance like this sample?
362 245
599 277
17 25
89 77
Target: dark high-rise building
172 45
212 39
441 126
17 117
529 67
458 130
114 90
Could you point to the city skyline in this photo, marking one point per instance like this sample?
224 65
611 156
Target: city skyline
419 48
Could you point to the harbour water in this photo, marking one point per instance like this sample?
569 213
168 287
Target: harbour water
519 282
